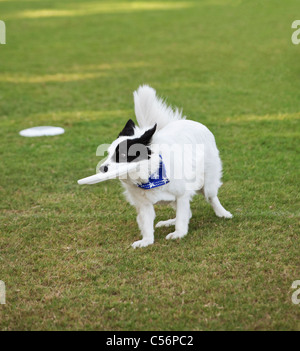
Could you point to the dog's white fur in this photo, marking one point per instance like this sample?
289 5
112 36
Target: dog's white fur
172 128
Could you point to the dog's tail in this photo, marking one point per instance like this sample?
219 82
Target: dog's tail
149 109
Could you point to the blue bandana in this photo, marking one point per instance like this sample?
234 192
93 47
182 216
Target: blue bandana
156 179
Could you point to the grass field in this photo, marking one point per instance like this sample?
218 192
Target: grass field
65 252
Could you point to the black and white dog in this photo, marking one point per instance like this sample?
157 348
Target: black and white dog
176 159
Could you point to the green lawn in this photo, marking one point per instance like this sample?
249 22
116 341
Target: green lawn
65 252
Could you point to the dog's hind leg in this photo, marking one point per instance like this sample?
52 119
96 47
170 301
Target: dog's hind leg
212 183
167 223
218 208
145 219
183 215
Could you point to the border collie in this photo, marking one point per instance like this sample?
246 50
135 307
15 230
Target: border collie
163 146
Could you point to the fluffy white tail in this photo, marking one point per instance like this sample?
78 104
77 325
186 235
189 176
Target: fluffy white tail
149 109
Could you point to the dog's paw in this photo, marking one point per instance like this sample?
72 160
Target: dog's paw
175 235
224 214
167 223
142 243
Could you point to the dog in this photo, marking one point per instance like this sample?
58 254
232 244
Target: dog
163 176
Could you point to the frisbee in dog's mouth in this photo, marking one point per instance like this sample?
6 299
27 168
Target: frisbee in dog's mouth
120 170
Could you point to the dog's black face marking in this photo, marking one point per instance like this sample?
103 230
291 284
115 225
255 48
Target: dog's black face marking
134 150
128 130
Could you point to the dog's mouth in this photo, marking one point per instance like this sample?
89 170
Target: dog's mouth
121 163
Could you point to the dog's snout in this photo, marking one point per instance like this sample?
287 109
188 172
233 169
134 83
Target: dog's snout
103 169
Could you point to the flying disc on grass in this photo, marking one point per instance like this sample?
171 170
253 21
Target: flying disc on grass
119 170
41 131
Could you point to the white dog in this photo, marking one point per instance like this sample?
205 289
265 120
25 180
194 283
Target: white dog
165 173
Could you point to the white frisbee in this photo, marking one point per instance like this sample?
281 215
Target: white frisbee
120 170
41 131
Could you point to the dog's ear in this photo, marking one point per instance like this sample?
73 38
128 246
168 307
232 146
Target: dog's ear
128 130
147 136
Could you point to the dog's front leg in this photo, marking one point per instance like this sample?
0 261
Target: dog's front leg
145 219
183 215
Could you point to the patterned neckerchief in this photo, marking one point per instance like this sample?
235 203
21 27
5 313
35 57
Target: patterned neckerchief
156 179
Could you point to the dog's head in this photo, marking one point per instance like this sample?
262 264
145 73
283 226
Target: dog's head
132 145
